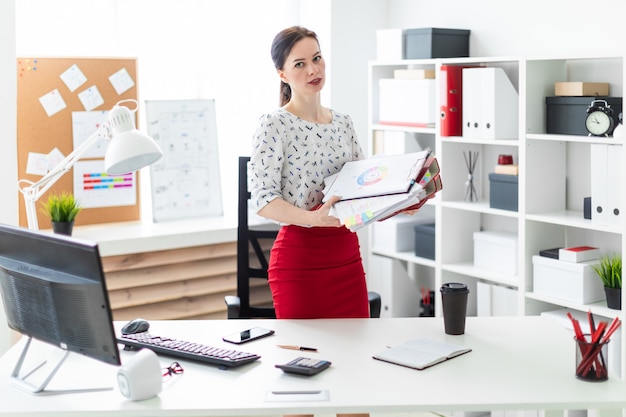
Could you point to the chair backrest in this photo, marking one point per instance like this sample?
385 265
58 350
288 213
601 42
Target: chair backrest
250 237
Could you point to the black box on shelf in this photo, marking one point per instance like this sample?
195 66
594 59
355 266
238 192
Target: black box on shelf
566 115
435 43
550 253
425 240
587 208
503 191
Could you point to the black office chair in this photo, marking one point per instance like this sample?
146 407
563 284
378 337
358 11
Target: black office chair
251 270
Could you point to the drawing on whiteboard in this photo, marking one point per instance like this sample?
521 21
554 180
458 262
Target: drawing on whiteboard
186 181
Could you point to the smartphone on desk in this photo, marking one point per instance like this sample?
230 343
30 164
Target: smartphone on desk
248 335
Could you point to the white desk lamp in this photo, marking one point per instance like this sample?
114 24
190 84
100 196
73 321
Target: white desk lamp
128 150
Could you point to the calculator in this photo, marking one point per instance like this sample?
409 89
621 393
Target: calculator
304 366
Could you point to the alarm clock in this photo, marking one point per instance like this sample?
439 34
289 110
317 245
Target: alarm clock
599 120
620 131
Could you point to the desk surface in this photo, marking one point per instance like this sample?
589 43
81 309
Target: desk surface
517 363
136 237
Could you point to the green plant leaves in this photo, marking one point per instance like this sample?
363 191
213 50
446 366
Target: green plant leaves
610 271
61 208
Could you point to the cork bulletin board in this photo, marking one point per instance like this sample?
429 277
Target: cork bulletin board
60 100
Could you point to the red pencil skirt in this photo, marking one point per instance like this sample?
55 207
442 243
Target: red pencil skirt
317 272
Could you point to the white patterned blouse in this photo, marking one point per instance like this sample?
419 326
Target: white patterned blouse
291 157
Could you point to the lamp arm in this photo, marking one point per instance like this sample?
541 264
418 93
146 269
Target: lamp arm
33 191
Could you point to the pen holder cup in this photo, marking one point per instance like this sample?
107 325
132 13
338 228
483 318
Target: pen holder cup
592 360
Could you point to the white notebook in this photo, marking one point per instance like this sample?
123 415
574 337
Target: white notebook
421 353
379 175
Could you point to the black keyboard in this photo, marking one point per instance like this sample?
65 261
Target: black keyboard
188 350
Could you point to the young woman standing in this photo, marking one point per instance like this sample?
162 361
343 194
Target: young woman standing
315 268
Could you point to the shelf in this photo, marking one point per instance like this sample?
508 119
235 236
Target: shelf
409 129
574 138
572 218
478 206
554 178
435 61
598 308
468 268
405 256
498 142
405 63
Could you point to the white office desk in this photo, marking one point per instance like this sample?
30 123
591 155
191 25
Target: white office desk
137 237
517 363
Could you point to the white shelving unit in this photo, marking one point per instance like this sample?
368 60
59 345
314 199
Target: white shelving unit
554 175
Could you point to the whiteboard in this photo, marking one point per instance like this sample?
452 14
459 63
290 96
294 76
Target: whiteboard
185 182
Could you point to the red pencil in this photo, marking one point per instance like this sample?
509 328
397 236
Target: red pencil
614 326
577 330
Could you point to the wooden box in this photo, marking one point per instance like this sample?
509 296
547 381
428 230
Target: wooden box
581 89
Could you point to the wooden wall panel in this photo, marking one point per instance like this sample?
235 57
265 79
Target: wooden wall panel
188 283
157 258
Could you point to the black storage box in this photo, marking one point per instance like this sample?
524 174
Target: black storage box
566 115
435 43
425 240
503 191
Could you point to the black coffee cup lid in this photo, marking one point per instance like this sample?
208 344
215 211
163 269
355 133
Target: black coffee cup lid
454 287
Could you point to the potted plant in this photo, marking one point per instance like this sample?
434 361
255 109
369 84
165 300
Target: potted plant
610 272
62 210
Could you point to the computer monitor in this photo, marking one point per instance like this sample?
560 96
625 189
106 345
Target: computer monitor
53 290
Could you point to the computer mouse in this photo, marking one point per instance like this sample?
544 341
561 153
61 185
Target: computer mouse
136 326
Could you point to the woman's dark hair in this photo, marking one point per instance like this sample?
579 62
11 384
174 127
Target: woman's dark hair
281 47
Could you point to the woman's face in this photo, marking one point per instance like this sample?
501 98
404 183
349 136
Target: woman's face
304 68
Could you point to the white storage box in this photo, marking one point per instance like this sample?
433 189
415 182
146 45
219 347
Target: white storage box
496 251
397 233
407 102
389 44
572 281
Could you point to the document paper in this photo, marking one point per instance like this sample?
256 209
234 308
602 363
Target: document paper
381 175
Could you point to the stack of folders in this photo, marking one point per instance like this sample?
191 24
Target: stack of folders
380 187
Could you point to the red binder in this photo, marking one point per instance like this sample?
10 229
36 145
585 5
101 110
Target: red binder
451 100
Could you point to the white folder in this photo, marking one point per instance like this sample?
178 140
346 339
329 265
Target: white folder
490 104
614 176
599 183
606 167
483 299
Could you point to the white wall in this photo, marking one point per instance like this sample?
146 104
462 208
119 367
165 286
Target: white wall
8 114
532 28
8 133
186 49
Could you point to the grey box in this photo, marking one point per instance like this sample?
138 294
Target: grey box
425 240
503 191
435 43
566 115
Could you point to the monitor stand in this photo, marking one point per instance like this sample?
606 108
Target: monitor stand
22 383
